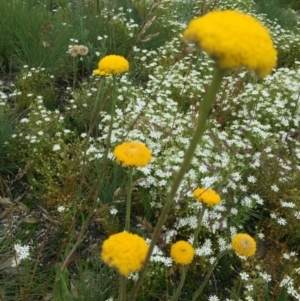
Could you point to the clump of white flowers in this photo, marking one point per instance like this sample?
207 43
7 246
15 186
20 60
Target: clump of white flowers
22 252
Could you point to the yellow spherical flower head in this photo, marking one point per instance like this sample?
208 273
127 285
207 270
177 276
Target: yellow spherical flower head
243 244
182 252
207 196
112 65
134 154
124 251
234 40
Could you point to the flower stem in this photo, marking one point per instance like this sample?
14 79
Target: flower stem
183 272
113 105
98 7
128 205
207 276
122 294
93 123
204 110
74 72
196 233
239 288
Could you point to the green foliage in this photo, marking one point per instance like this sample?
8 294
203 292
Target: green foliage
293 4
94 282
29 36
33 279
7 129
283 295
48 168
52 27
44 41
287 56
32 83
8 280
90 101
276 12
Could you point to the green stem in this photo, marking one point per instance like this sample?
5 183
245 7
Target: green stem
98 7
204 110
183 273
93 118
128 205
113 107
74 72
93 122
208 274
196 234
122 294
239 288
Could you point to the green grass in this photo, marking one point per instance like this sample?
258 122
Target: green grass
279 11
7 129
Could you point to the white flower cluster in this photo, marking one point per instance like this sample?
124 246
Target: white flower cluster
289 284
22 252
159 257
205 249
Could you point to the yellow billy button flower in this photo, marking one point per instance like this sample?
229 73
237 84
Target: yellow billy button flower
112 65
133 154
234 40
243 244
124 251
207 196
182 252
